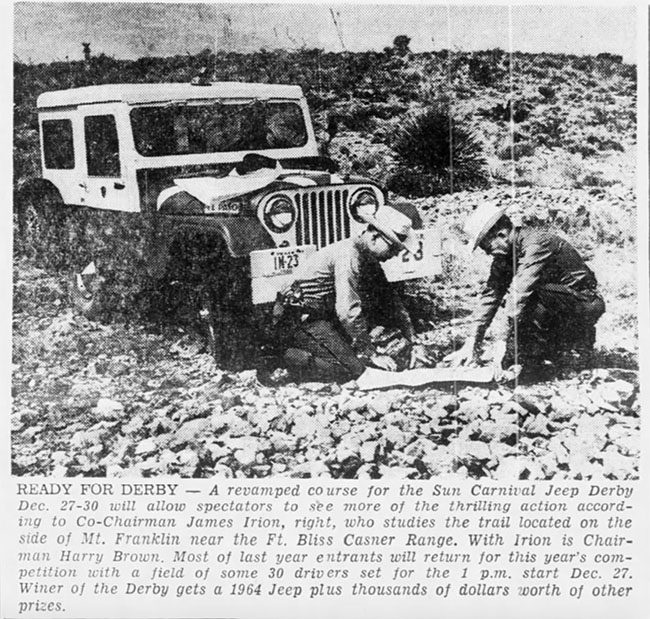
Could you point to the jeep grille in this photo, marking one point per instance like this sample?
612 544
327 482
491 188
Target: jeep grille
323 216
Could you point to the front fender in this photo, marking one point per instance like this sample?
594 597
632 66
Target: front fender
242 235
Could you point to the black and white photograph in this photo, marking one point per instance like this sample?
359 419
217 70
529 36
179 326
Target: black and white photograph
346 241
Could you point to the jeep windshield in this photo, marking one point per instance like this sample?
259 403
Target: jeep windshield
183 128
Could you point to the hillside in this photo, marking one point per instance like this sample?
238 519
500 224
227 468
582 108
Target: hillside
574 116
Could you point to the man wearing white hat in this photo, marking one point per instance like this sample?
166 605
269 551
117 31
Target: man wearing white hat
552 303
323 321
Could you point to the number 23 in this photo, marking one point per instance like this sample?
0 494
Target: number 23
417 255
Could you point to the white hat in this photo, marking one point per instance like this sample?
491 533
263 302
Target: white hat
395 226
481 221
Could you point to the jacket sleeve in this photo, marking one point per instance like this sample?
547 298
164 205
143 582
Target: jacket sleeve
491 296
534 259
348 305
402 318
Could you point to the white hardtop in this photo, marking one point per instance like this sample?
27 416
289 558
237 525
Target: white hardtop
151 93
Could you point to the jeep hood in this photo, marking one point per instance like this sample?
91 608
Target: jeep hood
208 189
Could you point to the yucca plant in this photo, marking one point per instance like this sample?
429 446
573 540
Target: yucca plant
437 154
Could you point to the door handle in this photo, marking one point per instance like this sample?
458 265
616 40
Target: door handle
118 185
83 186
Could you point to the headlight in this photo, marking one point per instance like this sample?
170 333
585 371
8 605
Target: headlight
279 214
363 201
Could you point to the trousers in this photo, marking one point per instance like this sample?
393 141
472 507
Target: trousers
558 319
317 350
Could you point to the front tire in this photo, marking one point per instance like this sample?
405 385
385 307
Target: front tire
208 291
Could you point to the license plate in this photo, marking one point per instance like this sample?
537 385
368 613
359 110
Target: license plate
426 261
271 269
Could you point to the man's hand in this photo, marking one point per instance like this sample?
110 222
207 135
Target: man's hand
466 355
512 373
419 355
384 362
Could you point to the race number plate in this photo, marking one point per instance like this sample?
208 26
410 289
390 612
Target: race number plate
271 269
425 262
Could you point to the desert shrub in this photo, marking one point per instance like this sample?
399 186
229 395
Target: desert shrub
443 152
602 115
486 68
596 179
519 109
550 61
591 142
516 151
401 45
606 68
319 101
453 65
598 221
584 64
375 161
610 58
582 148
355 115
605 143
628 72
557 170
538 73
616 120
416 184
548 127
389 109
358 115
547 92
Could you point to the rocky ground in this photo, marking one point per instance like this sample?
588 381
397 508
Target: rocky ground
130 399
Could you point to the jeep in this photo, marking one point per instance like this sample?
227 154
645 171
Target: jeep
205 195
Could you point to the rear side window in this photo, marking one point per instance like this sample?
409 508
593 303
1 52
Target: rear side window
58 148
102 147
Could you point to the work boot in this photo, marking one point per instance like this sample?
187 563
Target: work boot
299 363
537 371
577 353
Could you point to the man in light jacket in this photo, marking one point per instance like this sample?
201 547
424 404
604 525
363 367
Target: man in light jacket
323 323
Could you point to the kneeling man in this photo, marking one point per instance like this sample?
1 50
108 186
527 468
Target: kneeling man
323 316
551 298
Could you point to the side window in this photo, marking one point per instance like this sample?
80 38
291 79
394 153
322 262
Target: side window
58 147
102 148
